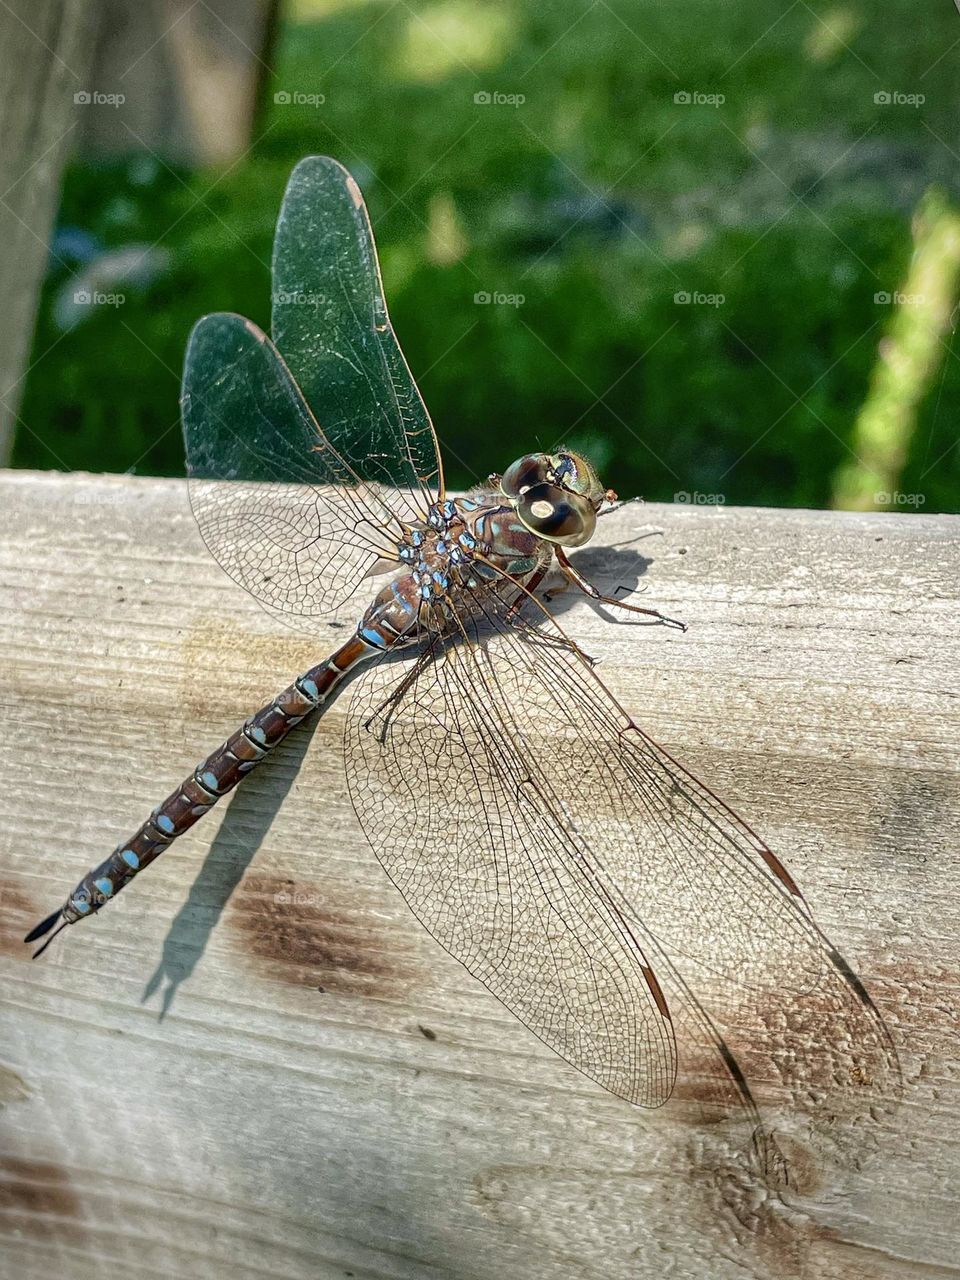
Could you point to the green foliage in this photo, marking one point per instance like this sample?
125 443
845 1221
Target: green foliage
598 199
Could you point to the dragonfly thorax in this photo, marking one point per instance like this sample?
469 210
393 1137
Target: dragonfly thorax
439 553
466 550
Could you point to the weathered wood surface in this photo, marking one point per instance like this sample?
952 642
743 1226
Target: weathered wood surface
329 1094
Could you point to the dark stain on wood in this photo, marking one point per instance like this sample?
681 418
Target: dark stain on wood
18 914
717 1211
823 1072
919 814
37 1196
821 1067
13 1087
204 697
296 932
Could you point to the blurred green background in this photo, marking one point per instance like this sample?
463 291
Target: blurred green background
800 199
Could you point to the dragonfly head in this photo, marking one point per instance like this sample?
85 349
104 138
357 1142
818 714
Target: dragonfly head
556 496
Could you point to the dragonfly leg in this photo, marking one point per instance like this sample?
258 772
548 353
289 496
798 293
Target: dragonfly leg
557 590
595 593
527 594
393 698
528 590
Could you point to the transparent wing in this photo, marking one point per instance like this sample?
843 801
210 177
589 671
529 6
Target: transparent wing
560 855
278 507
451 799
330 322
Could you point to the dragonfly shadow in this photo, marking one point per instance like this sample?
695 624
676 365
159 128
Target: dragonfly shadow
608 568
241 834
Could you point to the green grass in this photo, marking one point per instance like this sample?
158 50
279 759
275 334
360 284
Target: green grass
793 200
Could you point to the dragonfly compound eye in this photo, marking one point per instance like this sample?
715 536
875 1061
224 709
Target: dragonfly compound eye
558 516
575 474
524 474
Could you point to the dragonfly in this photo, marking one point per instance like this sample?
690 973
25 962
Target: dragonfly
587 878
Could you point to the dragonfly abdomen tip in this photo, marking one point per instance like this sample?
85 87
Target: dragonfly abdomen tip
43 927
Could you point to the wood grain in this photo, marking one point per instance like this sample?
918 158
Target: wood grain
329 1094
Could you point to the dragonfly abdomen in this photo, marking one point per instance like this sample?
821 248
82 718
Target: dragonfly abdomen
213 778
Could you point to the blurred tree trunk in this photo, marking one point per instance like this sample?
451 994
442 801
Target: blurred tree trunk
910 355
190 75
45 48
177 78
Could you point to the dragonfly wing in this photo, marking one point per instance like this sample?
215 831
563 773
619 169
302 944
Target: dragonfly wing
278 507
559 853
330 322
750 976
447 787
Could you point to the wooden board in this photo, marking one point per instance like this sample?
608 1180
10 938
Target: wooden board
328 1093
